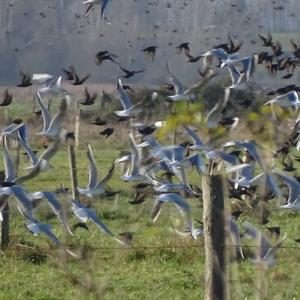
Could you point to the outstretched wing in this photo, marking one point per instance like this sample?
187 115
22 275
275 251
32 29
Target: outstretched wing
123 97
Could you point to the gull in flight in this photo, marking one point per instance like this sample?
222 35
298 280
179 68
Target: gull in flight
43 160
55 206
266 253
52 126
293 201
85 214
44 79
10 174
180 203
54 87
36 227
92 3
198 144
136 171
248 63
180 92
286 100
130 110
24 201
95 188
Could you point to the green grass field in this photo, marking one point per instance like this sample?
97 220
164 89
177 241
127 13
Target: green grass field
158 265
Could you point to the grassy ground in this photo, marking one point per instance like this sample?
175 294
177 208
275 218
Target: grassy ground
159 264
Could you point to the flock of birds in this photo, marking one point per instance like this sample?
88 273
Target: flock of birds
159 170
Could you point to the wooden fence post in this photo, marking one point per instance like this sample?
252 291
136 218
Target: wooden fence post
5 223
77 124
4 206
214 237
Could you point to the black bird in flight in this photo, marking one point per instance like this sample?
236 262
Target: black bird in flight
7 98
191 58
105 55
107 132
147 130
79 81
150 52
26 80
129 73
69 73
99 122
88 99
267 41
129 88
183 47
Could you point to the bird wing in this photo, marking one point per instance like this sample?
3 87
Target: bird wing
76 77
45 113
23 199
123 97
234 74
93 174
182 205
156 210
293 185
80 211
135 155
93 217
22 136
86 93
197 162
58 118
193 136
107 177
103 7
179 89
8 164
293 97
57 209
51 150
272 251
254 233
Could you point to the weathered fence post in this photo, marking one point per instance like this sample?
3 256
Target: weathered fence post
5 222
5 216
77 124
214 237
73 167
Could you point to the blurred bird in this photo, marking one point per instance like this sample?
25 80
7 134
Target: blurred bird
91 4
77 80
88 99
150 52
266 253
107 132
7 98
105 55
85 214
267 41
183 46
69 73
95 188
99 122
54 87
129 110
26 80
55 206
129 73
180 203
52 126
